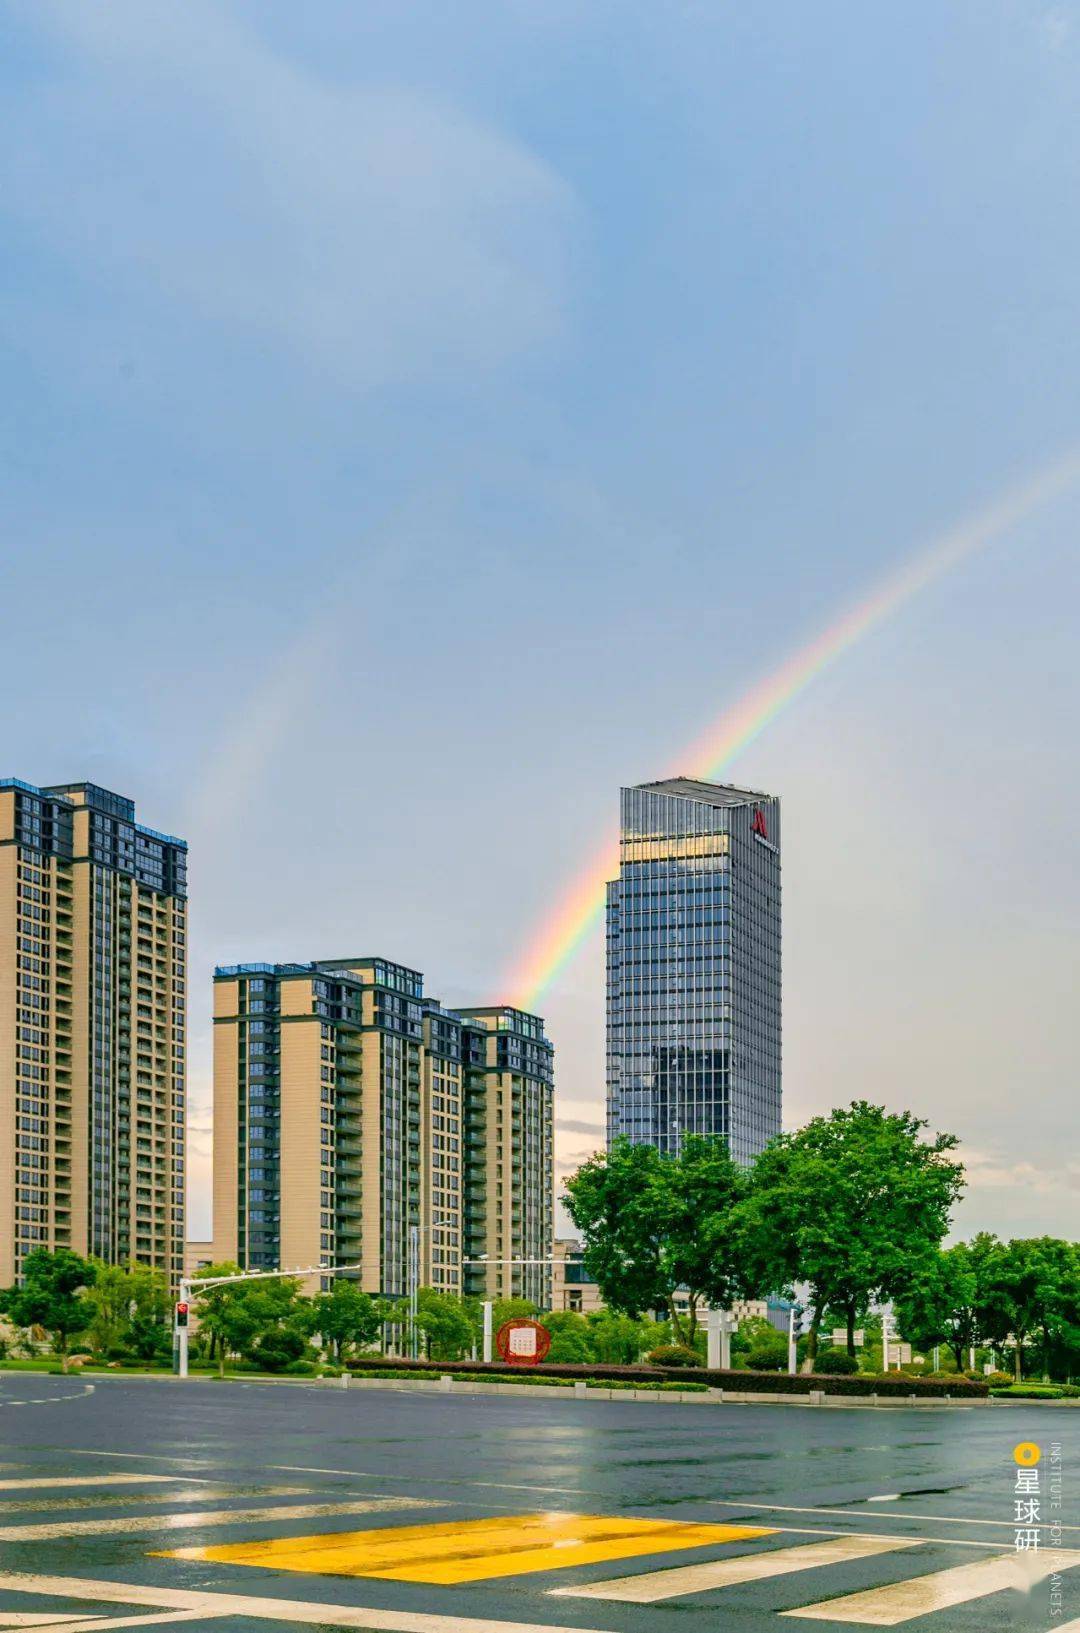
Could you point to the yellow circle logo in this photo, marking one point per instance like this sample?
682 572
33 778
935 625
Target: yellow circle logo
1027 1454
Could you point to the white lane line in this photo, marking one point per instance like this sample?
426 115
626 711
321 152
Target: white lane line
497 1485
195 1522
921 1595
51 1400
853 1511
351 1474
50 1482
119 1499
651 1586
271 1610
150 1457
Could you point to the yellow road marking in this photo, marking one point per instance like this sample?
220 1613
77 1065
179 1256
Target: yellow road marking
723 1573
920 1595
473 1550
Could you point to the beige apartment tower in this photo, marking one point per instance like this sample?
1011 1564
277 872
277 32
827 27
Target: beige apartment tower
93 1005
358 1122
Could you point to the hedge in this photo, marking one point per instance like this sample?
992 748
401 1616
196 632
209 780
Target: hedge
568 1371
746 1382
529 1375
1030 1392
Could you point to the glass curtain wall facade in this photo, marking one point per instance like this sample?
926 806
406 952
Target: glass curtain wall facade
93 1024
693 967
355 1118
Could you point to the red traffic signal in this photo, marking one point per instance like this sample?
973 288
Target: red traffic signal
181 1314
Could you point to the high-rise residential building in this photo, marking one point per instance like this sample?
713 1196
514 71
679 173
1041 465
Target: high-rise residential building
93 1005
693 966
357 1121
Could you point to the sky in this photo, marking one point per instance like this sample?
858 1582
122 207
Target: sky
421 420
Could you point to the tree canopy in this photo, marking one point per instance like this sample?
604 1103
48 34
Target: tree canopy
856 1204
654 1224
52 1295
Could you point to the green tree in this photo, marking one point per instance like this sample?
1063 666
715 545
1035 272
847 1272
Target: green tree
507 1309
942 1305
345 1318
445 1324
856 1204
232 1318
571 1339
1029 1294
52 1295
654 1223
620 1340
128 1303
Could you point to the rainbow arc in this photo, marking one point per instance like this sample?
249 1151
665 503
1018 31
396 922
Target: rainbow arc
580 907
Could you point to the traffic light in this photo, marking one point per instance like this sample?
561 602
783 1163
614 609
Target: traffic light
181 1314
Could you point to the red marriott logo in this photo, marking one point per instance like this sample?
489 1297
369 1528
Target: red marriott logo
758 824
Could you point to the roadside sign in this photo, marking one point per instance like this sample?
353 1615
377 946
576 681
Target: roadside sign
839 1337
522 1343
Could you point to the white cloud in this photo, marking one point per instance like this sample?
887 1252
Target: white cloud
994 1171
372 231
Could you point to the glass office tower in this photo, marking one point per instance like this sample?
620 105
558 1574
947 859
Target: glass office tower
693 967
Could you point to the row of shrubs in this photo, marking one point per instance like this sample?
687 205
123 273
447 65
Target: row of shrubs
1036 1392
777 1383
531 1376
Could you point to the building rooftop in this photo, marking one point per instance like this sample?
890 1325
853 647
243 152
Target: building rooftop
97 799
706 793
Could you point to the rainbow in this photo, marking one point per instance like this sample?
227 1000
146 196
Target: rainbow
581 907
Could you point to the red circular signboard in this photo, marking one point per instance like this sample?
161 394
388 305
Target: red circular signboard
522 1343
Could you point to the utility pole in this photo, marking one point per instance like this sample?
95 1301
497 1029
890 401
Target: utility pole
414 1288
183 1303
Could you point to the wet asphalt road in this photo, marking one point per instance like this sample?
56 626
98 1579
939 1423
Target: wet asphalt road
140 1466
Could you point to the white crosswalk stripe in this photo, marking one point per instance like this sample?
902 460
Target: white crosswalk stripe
121 1499
54 1481
99 1624
235 1605
648 1587
133 1523
941 1590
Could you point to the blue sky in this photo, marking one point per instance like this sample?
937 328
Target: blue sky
419 420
